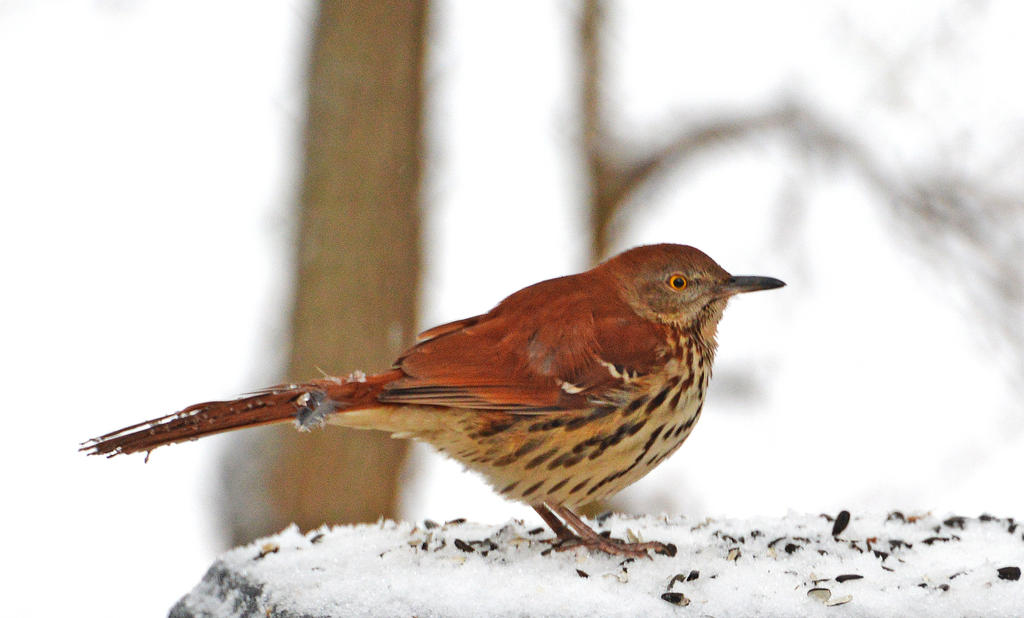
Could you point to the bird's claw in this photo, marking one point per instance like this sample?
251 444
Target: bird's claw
613 546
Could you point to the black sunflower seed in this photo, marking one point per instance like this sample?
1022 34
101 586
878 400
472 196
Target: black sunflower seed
675 598
842 520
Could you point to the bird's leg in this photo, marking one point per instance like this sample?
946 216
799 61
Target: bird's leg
585 536
562 533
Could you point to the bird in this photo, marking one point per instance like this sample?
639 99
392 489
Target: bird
563 394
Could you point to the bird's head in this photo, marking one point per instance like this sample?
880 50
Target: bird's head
679 285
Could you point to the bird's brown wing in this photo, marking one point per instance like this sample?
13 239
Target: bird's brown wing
548 347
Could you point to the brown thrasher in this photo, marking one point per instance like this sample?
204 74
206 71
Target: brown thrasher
565 393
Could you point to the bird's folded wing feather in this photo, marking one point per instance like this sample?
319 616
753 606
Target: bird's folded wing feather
528 355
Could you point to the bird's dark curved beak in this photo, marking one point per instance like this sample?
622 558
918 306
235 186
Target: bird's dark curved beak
741 284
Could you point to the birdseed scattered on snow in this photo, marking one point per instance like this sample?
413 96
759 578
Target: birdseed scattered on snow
433 571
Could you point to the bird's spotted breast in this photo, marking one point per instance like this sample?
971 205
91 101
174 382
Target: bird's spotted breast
578 456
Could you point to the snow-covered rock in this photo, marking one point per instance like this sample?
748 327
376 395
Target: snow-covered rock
808 565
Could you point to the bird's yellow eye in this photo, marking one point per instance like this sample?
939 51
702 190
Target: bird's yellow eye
677 282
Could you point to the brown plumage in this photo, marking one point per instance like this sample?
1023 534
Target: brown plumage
566 392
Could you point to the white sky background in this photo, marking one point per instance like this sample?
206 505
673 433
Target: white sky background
148 167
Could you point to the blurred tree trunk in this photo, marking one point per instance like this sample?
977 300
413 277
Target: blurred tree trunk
358 267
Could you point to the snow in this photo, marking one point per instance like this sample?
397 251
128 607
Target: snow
878 565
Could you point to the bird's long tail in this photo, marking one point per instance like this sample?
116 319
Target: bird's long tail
307 404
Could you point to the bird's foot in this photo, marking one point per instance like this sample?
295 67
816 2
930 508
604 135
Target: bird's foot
585 536
615 547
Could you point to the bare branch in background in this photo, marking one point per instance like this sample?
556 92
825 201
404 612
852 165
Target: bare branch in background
962 224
